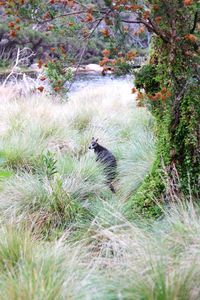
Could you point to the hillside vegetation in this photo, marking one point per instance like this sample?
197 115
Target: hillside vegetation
64 234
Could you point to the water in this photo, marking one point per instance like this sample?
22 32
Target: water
95 80
82 80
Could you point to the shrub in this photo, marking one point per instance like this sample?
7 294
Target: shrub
146 79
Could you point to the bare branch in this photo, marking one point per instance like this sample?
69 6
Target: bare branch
85 47
63 15
13 69
21 57
74 13
138 21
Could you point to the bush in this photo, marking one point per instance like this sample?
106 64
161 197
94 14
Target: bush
146 79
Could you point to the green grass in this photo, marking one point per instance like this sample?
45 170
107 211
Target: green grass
56 178
63 233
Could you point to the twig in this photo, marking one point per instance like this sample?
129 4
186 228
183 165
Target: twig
13 69
17 62
61 16
85 47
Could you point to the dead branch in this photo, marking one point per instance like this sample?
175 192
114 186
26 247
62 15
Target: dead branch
21 57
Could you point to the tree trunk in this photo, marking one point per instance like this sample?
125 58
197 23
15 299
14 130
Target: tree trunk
176 107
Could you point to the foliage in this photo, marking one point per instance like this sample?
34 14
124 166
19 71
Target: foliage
146 79
77 30
49 163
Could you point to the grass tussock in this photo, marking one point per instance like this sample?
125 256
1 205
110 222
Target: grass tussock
45 146
63 234
113 259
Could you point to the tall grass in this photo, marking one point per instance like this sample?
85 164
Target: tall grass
63 234
114 259
33 127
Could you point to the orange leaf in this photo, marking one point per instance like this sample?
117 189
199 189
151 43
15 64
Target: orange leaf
158 20
187 2
190 37
13 33
40 88
146 14
104 61
46 16
40 63
11 24
106 52
89 18
156 7
169 94
135 7
133 90
90 10
164 90
131 54
49 27
105 32
57 88
62 49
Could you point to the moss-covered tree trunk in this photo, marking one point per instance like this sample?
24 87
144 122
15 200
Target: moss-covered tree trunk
175 102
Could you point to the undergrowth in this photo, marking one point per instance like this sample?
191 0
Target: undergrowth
63 233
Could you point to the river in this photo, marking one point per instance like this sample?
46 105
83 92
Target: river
92 81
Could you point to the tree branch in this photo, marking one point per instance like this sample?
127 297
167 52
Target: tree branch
149 25
138 21
84 49
195 22
13 69
20 57
61 16
158 32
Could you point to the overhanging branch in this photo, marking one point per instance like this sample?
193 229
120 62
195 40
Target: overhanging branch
150 26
